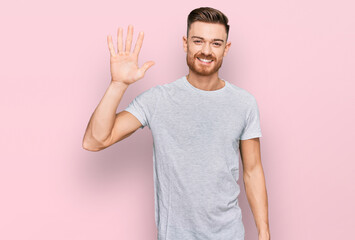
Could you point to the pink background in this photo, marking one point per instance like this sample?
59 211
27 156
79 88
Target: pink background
296 57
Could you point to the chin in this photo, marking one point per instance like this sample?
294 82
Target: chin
195 67
203 73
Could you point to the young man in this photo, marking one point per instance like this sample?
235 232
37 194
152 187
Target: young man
199 123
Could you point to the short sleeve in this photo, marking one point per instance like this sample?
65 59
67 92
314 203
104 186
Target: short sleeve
143 106
252 126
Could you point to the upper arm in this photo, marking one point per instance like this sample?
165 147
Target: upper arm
250 153
125 125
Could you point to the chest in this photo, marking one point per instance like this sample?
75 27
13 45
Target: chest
200 122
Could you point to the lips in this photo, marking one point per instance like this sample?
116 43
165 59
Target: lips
202 61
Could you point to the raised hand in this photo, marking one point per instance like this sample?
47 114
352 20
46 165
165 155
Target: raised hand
124 63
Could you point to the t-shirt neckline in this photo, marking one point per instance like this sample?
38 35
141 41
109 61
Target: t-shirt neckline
189 85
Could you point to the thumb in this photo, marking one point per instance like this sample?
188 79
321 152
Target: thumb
145 67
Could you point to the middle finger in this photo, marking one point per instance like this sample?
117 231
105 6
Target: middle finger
129 38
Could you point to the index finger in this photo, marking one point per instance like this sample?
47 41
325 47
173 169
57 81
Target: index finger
138 45
110 45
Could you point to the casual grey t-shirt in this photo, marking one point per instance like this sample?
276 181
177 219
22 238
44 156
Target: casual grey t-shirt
196 137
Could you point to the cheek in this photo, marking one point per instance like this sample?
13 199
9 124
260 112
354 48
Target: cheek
191 53
219 54
193 50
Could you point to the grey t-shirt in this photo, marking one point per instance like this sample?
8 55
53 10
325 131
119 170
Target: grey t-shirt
196 137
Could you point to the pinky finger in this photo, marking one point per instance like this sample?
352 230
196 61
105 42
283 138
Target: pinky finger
110 46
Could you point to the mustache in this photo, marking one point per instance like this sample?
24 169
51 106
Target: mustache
210 57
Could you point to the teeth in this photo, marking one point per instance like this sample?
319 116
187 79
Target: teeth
205 60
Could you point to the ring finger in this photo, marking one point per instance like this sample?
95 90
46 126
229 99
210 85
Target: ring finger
120 40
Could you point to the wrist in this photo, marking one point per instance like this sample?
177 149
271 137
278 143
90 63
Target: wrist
120 85
264 235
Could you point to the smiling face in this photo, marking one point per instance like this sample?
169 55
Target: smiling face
205 47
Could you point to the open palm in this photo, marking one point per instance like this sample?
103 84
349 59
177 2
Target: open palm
124 63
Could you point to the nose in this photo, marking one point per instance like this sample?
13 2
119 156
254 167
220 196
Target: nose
206 49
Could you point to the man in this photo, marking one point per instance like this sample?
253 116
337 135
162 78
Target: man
199 122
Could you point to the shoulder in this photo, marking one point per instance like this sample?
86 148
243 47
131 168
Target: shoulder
167 89
151 92
242 95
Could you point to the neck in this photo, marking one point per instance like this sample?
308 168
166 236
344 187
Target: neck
208 83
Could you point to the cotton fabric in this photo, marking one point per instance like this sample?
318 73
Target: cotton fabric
196 136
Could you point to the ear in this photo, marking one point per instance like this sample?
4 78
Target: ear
184 42
228 45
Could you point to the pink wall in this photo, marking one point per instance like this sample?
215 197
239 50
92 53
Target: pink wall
296 57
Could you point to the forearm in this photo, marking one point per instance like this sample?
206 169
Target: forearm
103 118
254 182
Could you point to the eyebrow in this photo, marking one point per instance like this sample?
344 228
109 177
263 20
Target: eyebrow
215 39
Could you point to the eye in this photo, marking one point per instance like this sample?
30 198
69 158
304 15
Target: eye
197 41
218 44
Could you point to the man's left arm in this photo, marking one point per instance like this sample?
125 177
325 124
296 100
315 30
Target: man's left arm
254 183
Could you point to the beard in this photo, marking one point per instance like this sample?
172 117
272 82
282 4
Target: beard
201 69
